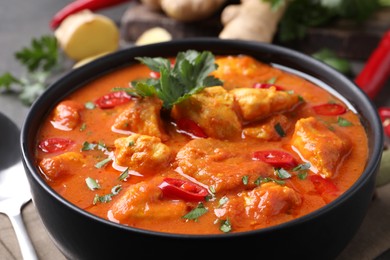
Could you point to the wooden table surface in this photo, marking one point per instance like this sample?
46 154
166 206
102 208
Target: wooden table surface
22 20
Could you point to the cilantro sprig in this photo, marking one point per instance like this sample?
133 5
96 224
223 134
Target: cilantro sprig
189 75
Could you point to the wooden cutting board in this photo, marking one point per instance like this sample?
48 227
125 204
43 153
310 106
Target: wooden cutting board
347 39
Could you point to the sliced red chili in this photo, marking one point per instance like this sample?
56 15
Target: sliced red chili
323 186
191 127
55 144
183 189
276 158
329 109
267 85
113 99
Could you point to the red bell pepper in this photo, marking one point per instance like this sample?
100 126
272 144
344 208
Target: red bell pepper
183 189
79 5
112 99
329 109
276 158
377 68
55 144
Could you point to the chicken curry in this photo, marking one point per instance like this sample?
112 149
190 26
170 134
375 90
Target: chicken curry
199 144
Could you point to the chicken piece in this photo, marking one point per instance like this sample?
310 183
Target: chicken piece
213 110
143 117
221 164
323 148
240 71
61 165
66 115
144 200
141 152
256 206
266 130
256 104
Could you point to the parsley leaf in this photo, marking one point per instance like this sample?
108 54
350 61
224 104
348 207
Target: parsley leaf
196 212
40 60
42 54
189 75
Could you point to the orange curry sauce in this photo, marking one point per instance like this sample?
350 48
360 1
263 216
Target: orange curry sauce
238 119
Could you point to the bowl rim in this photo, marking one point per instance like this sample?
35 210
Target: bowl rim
116 60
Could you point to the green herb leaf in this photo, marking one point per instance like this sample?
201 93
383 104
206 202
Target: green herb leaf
92 183
282 173
102 163
222 201
196 212
343 122
124 175
225 226
189 75
279 129
42 54
7 80
245 179
89 105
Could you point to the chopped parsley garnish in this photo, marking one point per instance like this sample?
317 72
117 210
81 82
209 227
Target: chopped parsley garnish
189 75
222 201
107 197
102 163
92 183
282 173
343 122
279 130
124 175
261 180
196 212
225 226
245 179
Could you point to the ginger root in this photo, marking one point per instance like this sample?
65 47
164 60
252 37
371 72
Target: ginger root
185 10
250 20
86 34
153 35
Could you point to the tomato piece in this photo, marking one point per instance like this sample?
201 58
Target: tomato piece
191 127
55 144
183 189
267 85
323 186
276 158
113 99
329 109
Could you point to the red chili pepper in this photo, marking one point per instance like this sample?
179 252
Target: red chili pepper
384 113
113 99
377 68
276 158
267 85
183 189
191 127
53 145
323 186
79 5
329 109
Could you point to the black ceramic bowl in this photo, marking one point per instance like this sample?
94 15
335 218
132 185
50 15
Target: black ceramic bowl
322 234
